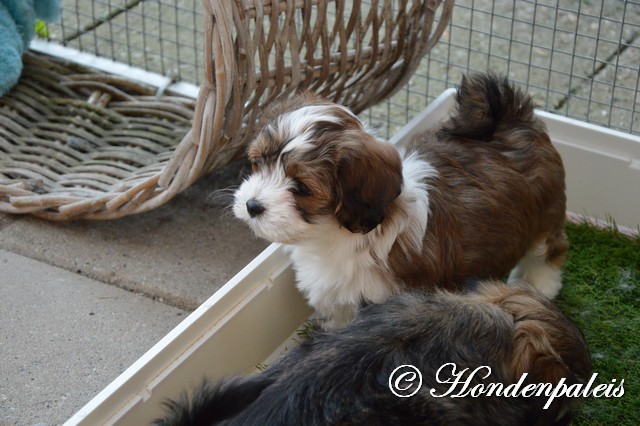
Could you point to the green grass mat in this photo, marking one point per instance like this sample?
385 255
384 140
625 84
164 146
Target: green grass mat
601 294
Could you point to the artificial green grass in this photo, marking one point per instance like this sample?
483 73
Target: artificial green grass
601 294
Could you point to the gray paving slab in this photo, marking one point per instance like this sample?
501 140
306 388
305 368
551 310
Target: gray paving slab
5 220
180 253
64 337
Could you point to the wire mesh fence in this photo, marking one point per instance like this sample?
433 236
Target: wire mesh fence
162 36
579 58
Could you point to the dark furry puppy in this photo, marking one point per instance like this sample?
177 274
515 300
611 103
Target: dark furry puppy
342 377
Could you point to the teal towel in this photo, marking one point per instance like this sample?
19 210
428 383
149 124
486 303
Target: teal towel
17 20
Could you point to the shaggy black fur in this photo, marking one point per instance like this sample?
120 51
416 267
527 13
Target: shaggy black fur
341 377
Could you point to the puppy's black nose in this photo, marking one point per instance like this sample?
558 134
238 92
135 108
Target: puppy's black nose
254 208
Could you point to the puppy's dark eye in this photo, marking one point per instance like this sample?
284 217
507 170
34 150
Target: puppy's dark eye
256 164
299 188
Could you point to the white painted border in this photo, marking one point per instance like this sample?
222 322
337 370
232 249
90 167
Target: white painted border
602 171
257 310
163 83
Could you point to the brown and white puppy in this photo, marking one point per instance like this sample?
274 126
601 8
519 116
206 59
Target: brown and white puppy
477 196
343 376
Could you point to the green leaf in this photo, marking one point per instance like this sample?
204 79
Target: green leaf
41 29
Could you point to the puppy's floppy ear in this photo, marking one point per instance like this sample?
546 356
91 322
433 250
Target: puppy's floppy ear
369 178
534 354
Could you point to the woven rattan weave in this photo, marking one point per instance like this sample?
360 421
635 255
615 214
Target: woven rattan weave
76 143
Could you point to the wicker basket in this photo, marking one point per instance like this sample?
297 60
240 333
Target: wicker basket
76 143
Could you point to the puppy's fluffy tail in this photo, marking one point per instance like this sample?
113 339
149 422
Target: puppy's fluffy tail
213 403
486 104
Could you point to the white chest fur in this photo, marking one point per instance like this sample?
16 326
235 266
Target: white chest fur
336 277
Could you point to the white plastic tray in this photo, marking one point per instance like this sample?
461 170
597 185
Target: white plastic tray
252 316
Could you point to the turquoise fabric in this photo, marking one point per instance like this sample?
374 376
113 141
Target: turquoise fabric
17 21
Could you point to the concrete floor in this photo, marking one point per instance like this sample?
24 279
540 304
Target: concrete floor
82 301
